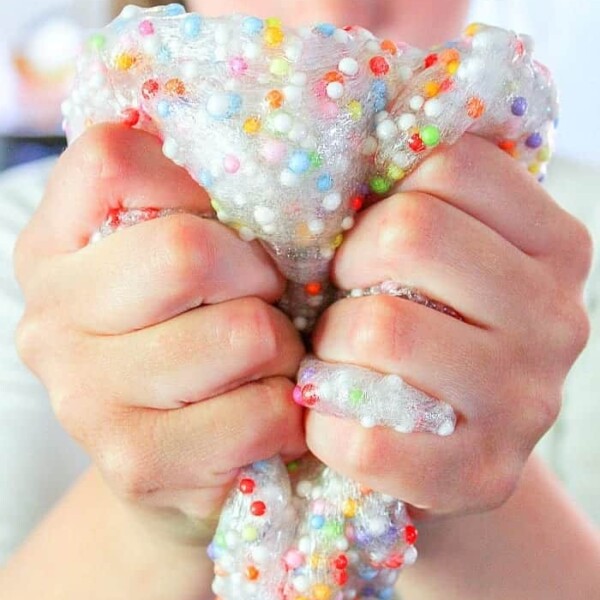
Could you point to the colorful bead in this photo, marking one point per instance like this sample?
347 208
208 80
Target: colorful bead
475 107
430 135
310 396
379 66
252 125
258 508
519 106
247 486
274 37
192 26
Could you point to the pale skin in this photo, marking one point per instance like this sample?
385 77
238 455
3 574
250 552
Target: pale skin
164 358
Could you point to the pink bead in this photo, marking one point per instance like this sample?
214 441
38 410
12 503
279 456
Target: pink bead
293 559
231 164
273 151
146 28
330 110
320 89
318 507
237 66
297 395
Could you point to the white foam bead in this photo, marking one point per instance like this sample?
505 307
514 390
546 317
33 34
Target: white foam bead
316 226
252 50
402 159
300 323
293 94
246 234
406 121
289 179
369 146
405 73
381 116
348 66
309 142
299 78
433 108
410 556
303 488
269 228
130 11
282 122
152 44
232 538
446 428
232 84
264 215
374 46
367 422
327 252
347 223
377 525
386 130
218 105
298 132
317 492
293 52
416 102
170 148
342 544
301 583
341 36
335 90
305 32
332 201
356 293
222 34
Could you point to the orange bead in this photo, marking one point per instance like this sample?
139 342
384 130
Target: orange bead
389 46
275 99
334 76
449 55
431 89
175 87
313 288
124 62
475 107
252 573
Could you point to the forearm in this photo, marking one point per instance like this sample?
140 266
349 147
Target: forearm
536 546
90 546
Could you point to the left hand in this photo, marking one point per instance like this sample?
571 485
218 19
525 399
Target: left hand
472 229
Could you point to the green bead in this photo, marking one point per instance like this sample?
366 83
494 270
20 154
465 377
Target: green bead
380 185
430 135
220 539
96 41
316 160
332 529
249 534
356 396
280 67
293 466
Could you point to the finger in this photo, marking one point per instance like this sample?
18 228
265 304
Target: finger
149 273
418 240
443 357
455 474
108 167
486 183
200 445
199 354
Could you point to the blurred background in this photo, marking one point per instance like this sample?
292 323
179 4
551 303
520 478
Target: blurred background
39 40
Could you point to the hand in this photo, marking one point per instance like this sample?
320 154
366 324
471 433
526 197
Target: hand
472 229
158 345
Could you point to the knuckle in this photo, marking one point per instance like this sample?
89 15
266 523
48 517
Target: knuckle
363 456
580 248
408 228
28 338
573 328
380 327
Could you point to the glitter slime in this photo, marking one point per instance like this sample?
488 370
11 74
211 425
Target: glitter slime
291 132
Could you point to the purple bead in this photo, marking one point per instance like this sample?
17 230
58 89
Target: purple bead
519 106
534 140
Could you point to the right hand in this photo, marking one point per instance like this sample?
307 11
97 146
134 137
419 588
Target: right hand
158 345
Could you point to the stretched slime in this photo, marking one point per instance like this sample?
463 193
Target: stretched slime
291 132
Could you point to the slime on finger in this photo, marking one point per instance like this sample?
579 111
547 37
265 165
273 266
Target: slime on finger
292 132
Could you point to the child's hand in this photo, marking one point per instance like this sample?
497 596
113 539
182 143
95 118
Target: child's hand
472 229
169 397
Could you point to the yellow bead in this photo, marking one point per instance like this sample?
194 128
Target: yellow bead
316 560
349 508
453 67
396 173
279 67
472 29
544 154
252 125
124 62
355 109
534 168
321 591
431 89
274 37
273 22
337 242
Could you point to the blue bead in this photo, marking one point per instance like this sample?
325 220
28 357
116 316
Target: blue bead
317 521
164 55
235 105
253 25
163 108
519 106
325 183
386 594
206 179
192 26
260 465
534 141
326 29
299 162
367 574
174 10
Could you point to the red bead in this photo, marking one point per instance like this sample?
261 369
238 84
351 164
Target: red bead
446 85
114 217
416 144
309 395
379 65
356 203
410 534
341 577
150 88
131 117
258 508
341 562
313 288
247 486
430 60
394 562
